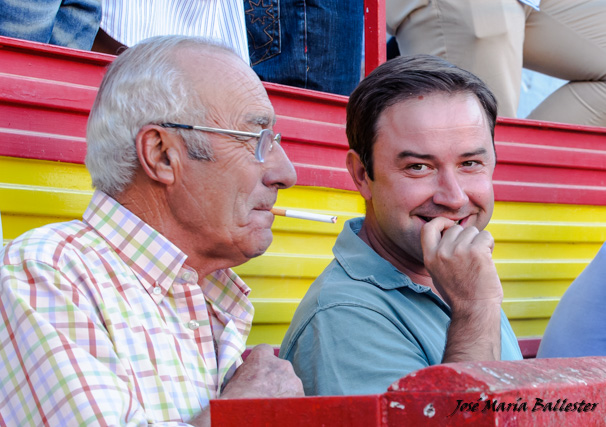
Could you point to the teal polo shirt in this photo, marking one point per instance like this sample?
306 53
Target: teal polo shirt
363 324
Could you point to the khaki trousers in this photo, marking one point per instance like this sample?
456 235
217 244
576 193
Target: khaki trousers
494 39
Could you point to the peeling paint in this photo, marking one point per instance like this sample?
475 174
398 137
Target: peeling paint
490 371
429 411
397 405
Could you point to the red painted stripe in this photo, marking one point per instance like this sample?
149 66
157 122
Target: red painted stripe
529 347
32 59
43 93
47 91
375 38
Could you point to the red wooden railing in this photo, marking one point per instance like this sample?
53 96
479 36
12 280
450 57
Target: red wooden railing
547 392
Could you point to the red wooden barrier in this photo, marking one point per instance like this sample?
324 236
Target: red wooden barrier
545 392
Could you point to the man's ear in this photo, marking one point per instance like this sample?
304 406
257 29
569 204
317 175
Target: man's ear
159 153
358 173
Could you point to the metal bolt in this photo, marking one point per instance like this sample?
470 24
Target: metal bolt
429 411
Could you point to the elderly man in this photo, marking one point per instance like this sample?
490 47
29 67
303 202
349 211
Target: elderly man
413 283
132 315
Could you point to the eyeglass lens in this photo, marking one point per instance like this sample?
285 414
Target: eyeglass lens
265 144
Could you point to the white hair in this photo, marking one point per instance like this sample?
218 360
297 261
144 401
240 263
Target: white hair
144 85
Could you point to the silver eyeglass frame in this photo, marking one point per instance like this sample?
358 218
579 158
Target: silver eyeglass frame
259 151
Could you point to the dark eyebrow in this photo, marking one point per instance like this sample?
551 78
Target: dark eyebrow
407 153
478 152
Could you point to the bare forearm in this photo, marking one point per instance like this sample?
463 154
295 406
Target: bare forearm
474 334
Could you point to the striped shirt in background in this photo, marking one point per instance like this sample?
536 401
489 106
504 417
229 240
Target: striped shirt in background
130 21
103 323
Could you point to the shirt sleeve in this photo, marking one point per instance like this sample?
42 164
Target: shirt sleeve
351 349
58 364
575 328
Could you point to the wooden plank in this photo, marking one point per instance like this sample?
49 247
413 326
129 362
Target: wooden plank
46 92
545 392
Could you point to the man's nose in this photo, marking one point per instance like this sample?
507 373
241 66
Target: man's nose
279 171
450 192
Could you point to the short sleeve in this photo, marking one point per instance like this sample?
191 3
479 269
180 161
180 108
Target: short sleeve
349 349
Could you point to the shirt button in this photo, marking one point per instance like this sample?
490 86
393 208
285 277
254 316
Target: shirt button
193 325
186 276
157 290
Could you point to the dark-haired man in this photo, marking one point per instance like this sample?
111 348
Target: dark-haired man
413 283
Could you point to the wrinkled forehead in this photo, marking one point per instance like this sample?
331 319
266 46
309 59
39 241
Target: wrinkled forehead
226 84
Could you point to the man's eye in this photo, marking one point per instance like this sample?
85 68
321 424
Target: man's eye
417 167
470 163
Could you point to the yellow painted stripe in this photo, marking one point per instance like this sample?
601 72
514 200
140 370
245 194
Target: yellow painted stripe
529 328
44 173
540 248
53 202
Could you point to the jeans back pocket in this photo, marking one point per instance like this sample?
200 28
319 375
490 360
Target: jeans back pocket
263 29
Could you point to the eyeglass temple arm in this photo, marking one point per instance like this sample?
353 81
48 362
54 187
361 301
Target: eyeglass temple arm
214 130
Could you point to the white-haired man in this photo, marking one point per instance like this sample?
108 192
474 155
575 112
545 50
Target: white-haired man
132 315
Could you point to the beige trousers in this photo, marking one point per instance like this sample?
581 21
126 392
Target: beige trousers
494 39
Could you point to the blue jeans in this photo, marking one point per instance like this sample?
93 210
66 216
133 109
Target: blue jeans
313 44
70 23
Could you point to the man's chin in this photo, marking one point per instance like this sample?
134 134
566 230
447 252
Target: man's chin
260 244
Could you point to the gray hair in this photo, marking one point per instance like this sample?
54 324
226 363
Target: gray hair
144 85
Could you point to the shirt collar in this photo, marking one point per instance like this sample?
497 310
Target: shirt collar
155 260
152 257
362 263
225 290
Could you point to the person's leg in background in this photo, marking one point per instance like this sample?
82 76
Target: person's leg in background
481 36
29 20
313 44
77 23
568 40
69 23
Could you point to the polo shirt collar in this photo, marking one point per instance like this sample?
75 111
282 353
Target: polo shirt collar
362 263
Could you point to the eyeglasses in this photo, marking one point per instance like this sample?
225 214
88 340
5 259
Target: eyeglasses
266 137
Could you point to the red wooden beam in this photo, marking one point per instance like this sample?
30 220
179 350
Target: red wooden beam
343 411
375 41
545 392
46 93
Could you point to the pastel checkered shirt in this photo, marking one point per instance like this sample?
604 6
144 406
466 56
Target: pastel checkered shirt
103 323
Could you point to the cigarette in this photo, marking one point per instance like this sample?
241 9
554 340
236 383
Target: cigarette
304 215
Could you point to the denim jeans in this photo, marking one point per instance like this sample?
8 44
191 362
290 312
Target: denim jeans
313 44
70 23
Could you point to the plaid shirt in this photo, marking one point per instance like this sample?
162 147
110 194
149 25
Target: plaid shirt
103 323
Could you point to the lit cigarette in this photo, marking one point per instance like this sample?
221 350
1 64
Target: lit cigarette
304 215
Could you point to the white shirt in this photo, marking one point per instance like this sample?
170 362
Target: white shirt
532 3
130 21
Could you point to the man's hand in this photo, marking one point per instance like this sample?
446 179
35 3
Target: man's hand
460 263
463 272
263 375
